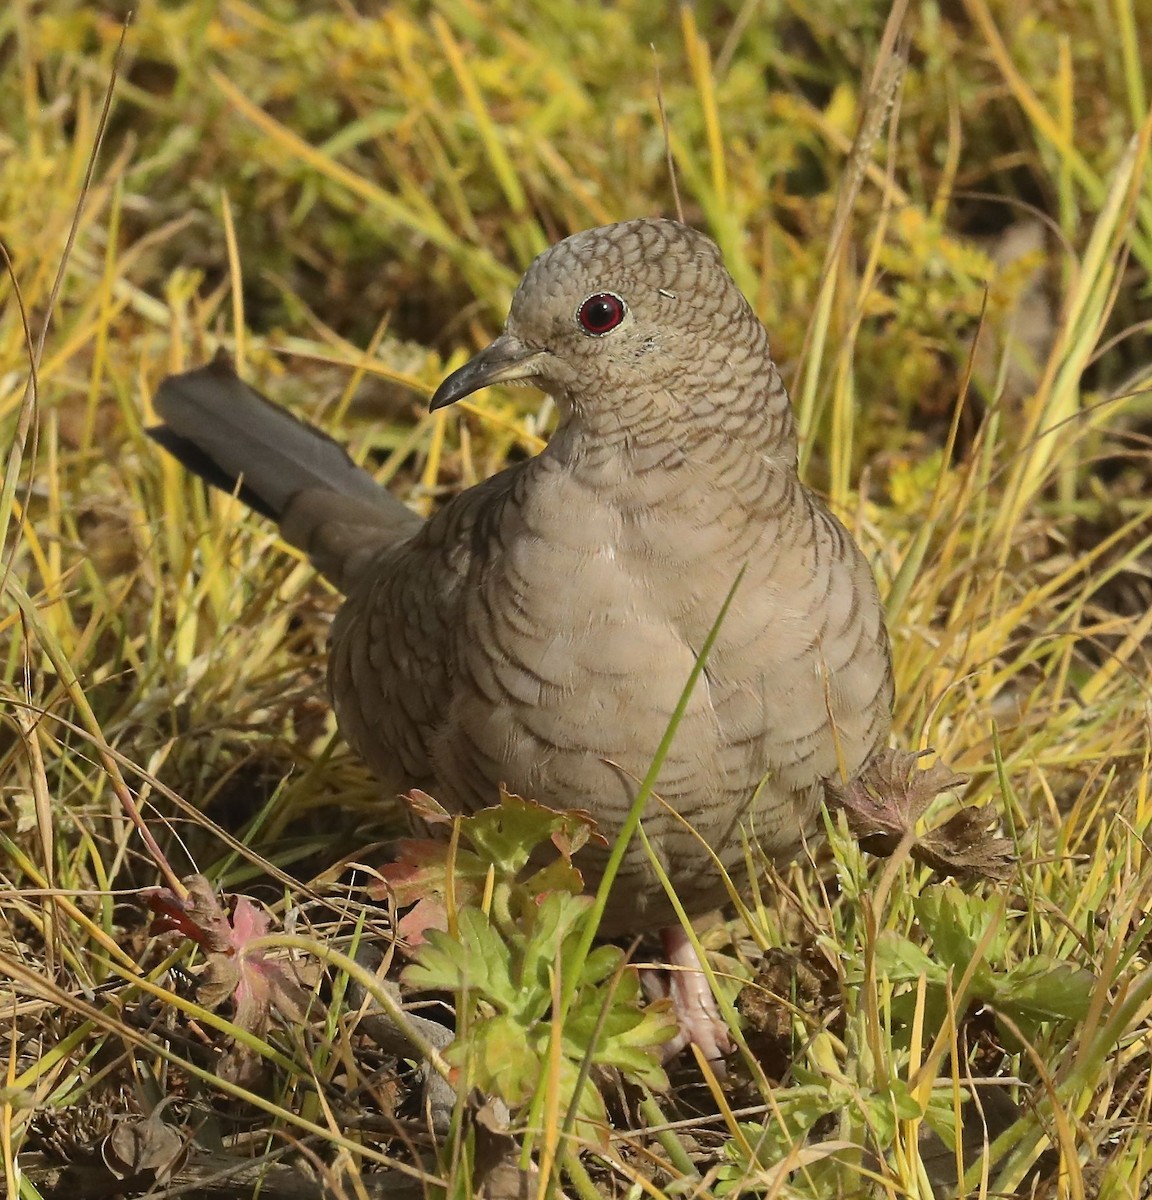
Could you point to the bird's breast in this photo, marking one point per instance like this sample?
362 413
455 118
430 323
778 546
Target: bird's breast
572 653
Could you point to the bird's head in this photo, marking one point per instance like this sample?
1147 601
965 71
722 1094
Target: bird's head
641 315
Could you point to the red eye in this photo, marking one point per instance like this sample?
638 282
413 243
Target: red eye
601 313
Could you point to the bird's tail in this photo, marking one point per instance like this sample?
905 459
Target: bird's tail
235 439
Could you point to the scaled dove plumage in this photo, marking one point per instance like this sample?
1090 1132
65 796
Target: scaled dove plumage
540 628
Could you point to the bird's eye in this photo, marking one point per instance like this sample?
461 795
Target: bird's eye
601 313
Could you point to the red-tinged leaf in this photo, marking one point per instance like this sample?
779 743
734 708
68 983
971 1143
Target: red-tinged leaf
171 918
426 915
198 915
248 922
233 968
577 833
507 837
419 868
426 808
422 869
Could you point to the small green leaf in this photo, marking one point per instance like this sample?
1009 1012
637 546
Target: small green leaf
883 1110
558 876
1047 990
507 835
477 961
626 1037
501 1057
957 922
797 1110
600 964
900 961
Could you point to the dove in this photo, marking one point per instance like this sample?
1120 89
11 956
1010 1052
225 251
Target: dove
538 630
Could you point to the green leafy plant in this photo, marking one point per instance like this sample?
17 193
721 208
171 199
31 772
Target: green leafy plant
971 936
514 925
760 1160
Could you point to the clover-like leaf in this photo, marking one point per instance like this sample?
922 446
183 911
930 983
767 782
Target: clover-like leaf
507 834
497 1052
477 960
493 847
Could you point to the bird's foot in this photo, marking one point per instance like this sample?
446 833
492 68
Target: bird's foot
699 1017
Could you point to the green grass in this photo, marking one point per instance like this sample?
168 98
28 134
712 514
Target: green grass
345 204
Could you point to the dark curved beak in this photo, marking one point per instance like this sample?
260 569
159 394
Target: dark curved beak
505 360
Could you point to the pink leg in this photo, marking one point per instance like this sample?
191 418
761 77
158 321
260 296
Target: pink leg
700 1020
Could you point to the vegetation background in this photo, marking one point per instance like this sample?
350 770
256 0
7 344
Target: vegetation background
343 195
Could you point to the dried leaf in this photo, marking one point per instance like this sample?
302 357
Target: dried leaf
244 1067
198 915
784 983
884 803
147 1145
964 846
496 1170
886 800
